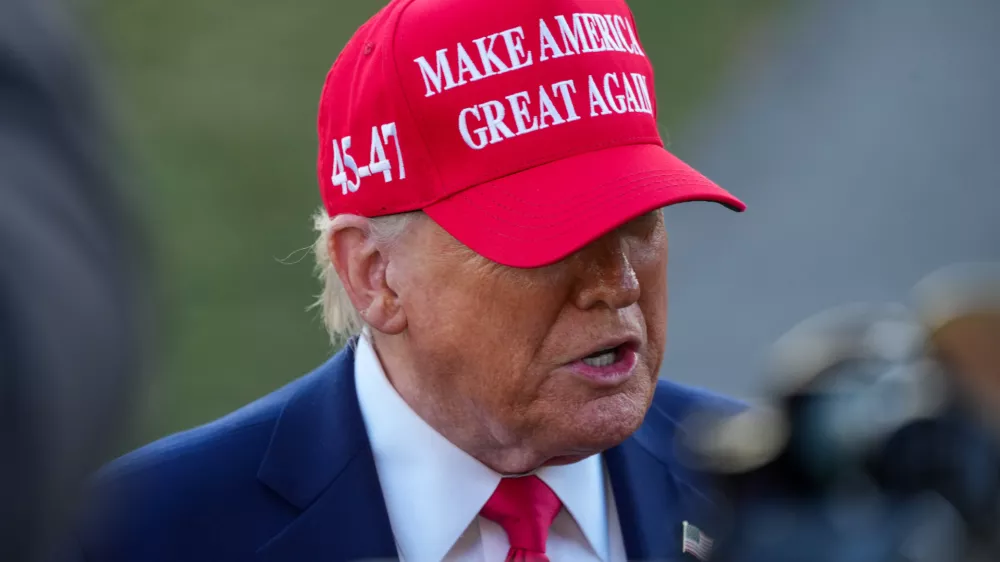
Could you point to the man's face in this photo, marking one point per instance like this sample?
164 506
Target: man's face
510 360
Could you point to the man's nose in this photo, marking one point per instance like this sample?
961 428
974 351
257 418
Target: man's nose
606 275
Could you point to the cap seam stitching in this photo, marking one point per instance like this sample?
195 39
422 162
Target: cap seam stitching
567 224
568 227
523 165
636 184
596 148
423 204
406 98
622 181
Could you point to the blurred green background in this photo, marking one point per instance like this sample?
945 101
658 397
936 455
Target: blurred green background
218 101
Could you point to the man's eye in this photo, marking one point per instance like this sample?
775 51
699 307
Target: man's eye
647 224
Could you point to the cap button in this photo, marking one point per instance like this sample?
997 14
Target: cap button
369 47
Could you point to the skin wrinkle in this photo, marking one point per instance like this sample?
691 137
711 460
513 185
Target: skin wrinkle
478 349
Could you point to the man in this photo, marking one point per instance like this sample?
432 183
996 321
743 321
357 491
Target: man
492 177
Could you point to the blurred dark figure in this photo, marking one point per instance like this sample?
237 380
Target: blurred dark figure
70 320
881 440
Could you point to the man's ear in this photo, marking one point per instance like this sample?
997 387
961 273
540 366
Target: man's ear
361 266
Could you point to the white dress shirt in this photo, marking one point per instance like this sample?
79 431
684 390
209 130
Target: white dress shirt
433 490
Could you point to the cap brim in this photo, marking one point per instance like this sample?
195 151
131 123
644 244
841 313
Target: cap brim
541 215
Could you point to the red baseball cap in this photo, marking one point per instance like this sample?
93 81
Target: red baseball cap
525 128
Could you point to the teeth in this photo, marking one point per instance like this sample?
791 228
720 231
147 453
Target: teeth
605 359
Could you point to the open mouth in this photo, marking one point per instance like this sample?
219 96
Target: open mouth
605 357
608 366
612 355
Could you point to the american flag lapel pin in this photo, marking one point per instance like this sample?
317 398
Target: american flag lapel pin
695 542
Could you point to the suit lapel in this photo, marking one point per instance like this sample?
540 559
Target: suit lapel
653 492
321 462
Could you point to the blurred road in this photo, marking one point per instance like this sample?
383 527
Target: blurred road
864 137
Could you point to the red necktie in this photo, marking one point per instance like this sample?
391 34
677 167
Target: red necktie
525 507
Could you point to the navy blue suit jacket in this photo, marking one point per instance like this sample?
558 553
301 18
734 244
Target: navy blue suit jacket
291 477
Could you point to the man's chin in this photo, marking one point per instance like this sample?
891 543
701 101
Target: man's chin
606 422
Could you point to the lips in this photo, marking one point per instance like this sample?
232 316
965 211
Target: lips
609 363
611 347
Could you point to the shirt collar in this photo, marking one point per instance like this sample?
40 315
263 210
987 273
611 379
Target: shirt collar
581 488
433 490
